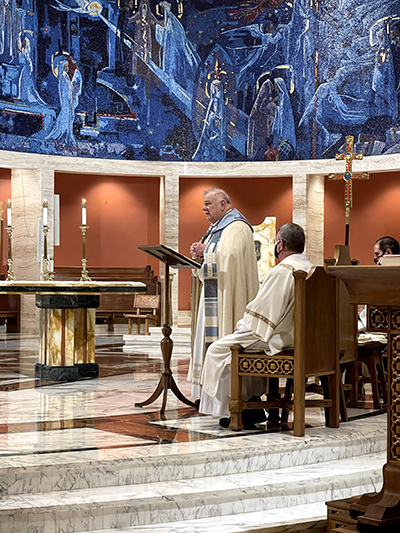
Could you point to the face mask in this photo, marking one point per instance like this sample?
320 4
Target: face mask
276 253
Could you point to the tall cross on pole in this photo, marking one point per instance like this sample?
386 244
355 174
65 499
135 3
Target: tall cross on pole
348 176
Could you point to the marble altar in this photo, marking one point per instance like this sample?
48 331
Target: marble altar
67 323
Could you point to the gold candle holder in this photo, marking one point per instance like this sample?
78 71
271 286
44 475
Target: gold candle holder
10 272
85 273
47 274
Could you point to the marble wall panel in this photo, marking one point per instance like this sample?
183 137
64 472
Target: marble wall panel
26 197
315 218
169 224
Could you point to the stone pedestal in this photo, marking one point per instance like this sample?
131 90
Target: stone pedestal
67 337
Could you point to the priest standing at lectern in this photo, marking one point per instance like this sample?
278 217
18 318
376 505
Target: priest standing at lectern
226 281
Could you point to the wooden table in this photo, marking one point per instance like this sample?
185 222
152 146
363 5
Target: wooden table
67 323
379 287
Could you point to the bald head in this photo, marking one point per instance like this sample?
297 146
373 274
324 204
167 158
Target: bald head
215 204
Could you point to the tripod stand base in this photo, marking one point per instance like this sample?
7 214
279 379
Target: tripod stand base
166 382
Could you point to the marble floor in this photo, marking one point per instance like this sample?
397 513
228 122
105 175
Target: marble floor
74 456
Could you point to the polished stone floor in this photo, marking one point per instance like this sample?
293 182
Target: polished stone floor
78 424
107 403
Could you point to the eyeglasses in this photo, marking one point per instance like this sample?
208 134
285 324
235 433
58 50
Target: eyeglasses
277 241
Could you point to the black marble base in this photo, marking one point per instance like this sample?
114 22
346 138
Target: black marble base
66 373
56 373
88 370
67 301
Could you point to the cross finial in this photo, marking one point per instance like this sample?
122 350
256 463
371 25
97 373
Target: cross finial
348 176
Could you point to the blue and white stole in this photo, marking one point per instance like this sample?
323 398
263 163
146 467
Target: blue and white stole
210 269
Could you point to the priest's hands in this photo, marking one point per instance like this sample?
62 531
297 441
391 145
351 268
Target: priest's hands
197 250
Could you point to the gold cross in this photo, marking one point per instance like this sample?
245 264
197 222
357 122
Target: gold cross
348 176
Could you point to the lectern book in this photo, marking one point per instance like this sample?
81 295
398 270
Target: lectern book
171 257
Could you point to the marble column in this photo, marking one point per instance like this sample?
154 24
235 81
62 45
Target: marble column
169 232
315 218
308 212
28 188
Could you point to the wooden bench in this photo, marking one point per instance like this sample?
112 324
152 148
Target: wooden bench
10 310
113 306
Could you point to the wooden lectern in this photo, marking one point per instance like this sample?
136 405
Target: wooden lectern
171 259
379 287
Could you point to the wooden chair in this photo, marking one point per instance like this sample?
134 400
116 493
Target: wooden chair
146 307
371 355
315 353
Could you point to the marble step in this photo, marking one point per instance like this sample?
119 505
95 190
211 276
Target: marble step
154 503
124 465
297 519
180 336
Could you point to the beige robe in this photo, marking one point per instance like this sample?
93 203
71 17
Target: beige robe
237 285
267 325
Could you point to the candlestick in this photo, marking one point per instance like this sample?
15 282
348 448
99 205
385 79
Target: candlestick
8 212
45 206
10 272
83 204
84 273
47 275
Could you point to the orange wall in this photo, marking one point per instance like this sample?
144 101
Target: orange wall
255 198
375 213
5 194
122 212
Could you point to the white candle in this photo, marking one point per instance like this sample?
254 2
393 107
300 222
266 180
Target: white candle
45 206
9 213
83 212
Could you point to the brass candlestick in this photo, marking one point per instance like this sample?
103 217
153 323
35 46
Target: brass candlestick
10 272
47 274
85 273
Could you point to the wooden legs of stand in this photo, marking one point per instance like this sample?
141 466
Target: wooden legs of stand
166 381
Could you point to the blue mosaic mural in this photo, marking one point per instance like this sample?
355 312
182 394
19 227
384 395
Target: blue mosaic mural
199 80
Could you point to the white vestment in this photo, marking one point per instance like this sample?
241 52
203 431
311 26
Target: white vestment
267 325
237 279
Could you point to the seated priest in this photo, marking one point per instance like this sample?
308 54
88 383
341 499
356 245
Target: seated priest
385 246
267 324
